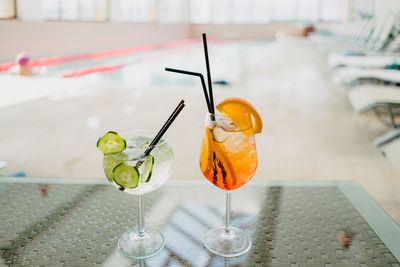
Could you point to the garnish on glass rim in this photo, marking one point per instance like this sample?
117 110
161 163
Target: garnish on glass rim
128 176
112 143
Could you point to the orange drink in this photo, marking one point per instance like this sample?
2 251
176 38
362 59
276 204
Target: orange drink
228 156
228 159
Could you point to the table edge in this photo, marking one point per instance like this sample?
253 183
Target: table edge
379 221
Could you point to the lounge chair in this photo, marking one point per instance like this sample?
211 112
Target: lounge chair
385 101
383 43
372 61
378 52
344 36
352 75
381 60
372 37
366 97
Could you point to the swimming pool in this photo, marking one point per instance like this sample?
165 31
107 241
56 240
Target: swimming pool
51 121
125 66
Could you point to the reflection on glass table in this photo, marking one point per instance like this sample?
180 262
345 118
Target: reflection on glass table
186 229
56 222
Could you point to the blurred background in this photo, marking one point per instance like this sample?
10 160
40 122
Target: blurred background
47 24
98 65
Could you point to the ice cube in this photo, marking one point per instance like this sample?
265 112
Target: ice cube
138 142
219 134
236 142
209 123
161 148
226 124
129 154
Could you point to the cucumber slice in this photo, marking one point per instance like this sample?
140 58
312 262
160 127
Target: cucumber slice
109 163
111 143
147 169
126 176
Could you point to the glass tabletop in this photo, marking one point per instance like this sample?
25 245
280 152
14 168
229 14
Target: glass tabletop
70 222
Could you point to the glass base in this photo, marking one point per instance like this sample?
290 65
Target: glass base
134 246
231 244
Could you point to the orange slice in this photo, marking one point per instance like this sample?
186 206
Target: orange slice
206 151
235 108
221 155
208 148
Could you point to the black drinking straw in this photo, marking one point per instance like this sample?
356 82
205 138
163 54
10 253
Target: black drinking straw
210 92
165 127
203 84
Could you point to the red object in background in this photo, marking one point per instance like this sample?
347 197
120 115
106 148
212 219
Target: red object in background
44 189
308 29
108 68
81 72
346 238
102 54
7 66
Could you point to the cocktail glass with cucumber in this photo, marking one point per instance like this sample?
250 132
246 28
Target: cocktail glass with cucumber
130 170
136 163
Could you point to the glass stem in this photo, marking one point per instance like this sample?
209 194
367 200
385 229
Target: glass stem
228 211
226 262
140 216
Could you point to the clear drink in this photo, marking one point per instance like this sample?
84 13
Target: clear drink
154 169
134 167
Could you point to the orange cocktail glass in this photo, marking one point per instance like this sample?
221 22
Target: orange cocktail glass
228 159
228 152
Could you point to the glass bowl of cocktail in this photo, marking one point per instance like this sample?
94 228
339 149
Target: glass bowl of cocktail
137 162
228 159
134 173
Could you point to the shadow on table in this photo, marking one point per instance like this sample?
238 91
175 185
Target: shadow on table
79 224
187 227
